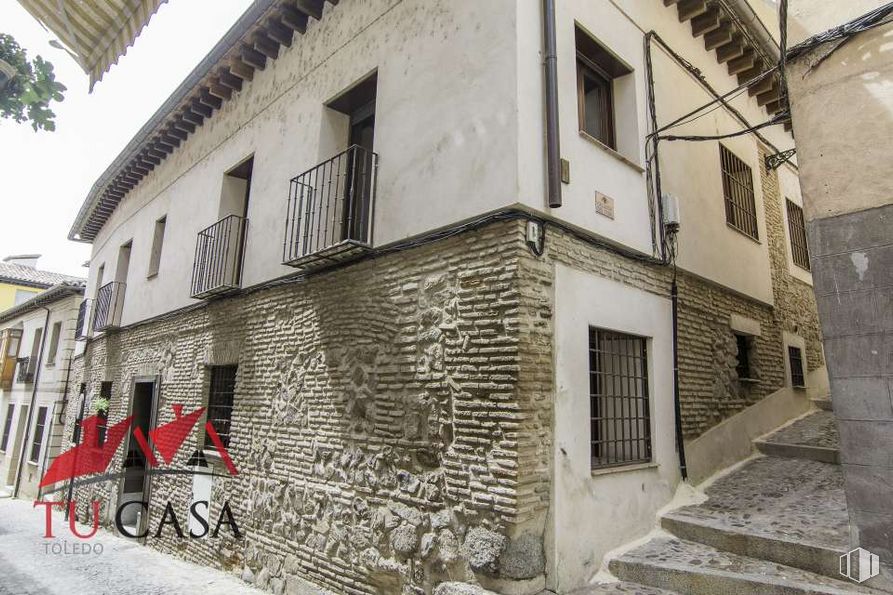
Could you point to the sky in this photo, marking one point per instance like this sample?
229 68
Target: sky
45 176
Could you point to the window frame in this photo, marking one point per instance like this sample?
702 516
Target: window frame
797 234
585 67
211 407
636 432
157 247
40 424
739 199
800 372
7 427
55 338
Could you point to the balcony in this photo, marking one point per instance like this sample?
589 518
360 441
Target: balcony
330 210
26 371
82 328
217 267
108 305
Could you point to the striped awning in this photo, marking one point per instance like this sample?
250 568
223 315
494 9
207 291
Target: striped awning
98 32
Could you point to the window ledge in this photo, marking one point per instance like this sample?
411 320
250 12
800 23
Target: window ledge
32 463
749 380
624 468
151 276
612 152
746 235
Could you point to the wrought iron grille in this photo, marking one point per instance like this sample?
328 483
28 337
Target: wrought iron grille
330 209
26 370
80 331
795 359
620 420
39 427
797 229
737 186
220 402
218 257
108 305
7 427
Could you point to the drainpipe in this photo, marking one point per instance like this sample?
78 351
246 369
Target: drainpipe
550 68
22 452
680 442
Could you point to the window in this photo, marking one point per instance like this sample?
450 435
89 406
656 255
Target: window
220 402
797 229
795 359
620 423
737 187
157 243
7 427
54 343
39 427
23 295
105 393
742 354
597 69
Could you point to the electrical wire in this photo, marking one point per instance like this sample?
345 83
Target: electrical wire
875 18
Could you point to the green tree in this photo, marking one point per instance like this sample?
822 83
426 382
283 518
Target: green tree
29 91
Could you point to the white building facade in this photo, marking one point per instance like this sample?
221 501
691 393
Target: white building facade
424 372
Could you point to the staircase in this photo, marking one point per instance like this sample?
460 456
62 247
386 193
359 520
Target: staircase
776 525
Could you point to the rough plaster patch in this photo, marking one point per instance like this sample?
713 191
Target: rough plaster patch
860 263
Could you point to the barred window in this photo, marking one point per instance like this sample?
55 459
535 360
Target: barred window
620 423
7 427
220 402
795 359
797 229
737 187
39 427
105 392
743 368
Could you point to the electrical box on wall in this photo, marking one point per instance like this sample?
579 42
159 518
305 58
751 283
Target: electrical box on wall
671 211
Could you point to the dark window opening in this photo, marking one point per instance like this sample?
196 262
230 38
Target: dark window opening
597 68
39 427
795 358
7 427
220 403
797 229
620 422
105 393
743 368
737 187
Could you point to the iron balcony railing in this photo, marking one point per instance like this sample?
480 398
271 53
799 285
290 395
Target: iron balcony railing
330 210
26 371
82 328
218 257
108 305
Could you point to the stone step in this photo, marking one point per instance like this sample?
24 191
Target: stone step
813 436
621 587
785 510
823 403
693 568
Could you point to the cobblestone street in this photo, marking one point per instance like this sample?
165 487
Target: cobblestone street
29 566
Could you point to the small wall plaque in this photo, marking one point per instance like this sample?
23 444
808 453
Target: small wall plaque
604 205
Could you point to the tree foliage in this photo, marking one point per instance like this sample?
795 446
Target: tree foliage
28 93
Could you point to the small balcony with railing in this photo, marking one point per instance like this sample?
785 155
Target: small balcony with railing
219 252
108 305
330 210
82 329
25 372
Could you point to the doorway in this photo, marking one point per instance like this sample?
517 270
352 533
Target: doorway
136 483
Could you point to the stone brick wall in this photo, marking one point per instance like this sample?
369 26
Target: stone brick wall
380 427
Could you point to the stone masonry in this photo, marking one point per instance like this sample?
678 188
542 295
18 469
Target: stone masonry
392 418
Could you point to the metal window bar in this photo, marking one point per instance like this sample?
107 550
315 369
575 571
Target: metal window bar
82 327
620 419
742 368
330 209
220 402
219 250
108 305
797 229
795 358
26 370
737 185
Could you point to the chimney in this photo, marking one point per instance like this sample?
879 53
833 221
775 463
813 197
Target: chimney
25 260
